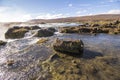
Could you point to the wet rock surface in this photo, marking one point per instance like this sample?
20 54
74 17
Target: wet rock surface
44 33
16 32
82 30
69 46
94 27
19 31
34 27
24 64
72 68
52 29
2 43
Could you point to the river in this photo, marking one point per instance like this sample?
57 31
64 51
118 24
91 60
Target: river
101 44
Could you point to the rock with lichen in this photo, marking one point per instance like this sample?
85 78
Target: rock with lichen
2 43
69 46
52 29
34 27
16 32
44 33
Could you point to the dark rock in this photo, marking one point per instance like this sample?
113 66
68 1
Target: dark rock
44 33
69 46
16 32
35 27
69 30
52 29
54 57
95 25
10 62
26 27
42 23
84 30
76 30
2 43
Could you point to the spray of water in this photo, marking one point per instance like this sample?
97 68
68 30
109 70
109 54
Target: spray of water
3 29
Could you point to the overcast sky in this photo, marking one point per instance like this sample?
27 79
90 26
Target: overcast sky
22 10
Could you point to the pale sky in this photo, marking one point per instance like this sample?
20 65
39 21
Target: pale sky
23 10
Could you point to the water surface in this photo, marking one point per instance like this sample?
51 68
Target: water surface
103 43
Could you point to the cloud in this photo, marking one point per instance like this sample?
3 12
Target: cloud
70 5
113 12
9 14
113 0
82 11
2 8
50 16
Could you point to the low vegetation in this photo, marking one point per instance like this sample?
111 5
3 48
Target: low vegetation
2 43
110 27
42 40
10 62
71 68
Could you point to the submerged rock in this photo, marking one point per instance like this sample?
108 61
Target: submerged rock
2 43
52 29
69 46
16 32
44 33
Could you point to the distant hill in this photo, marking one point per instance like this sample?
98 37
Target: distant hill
103 17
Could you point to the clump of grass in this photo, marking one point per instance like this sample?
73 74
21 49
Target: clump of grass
42 40
20 30
10 62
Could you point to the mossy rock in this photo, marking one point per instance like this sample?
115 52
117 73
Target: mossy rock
99 68
68 30
34 27
52 29
68 46
2 43
42 40
44 33
16 32
85 30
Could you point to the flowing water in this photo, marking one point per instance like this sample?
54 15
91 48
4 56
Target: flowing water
103 44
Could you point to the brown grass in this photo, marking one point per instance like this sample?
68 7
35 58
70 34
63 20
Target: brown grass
42 40
20 30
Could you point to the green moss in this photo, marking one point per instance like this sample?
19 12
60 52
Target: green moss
71 68
42 40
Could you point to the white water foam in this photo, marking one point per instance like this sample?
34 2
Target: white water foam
3 29
59 24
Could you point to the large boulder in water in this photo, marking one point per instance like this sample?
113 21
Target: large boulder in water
69 46
16 32
2 43
44 33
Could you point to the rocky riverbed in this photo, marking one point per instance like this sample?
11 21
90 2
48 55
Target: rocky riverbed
34 58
